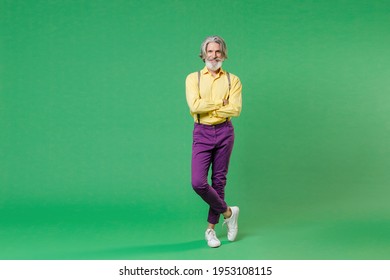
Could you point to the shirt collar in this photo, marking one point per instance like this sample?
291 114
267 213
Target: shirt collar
206 71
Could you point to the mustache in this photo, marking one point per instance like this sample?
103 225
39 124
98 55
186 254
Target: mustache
214 59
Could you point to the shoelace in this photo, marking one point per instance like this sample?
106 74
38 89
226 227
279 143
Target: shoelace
225 222
211 234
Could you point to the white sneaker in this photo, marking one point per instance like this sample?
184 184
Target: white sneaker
212 239
232 223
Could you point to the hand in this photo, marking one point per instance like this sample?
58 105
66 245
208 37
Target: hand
225 102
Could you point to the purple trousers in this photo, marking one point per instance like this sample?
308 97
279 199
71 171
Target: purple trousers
212 146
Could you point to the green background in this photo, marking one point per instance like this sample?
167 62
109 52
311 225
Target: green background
96 135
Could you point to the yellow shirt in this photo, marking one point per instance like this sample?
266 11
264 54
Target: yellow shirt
212 92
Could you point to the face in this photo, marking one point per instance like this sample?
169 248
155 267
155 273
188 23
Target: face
213 56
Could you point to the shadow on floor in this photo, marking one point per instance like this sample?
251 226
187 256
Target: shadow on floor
144 251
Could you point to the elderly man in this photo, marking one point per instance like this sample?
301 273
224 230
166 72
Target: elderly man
213 96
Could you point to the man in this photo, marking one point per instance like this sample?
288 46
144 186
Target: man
213 96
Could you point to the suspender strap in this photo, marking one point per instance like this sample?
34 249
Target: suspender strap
228 77
199 93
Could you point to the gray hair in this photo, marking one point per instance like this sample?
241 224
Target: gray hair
213 39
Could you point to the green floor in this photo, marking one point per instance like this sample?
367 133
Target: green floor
353 228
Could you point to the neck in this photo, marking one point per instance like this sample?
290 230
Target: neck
214 73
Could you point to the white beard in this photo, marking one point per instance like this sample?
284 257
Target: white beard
213 66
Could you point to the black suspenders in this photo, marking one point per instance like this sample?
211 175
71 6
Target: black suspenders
228 77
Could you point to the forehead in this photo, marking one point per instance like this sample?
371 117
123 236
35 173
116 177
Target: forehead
213 46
